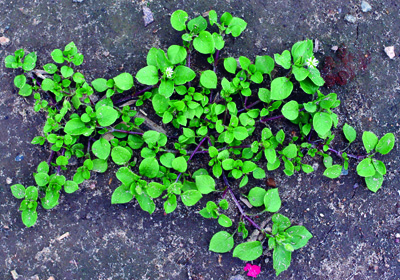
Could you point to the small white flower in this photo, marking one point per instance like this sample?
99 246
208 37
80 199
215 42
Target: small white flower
169 72
311 62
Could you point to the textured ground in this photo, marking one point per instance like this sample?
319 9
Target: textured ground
354 230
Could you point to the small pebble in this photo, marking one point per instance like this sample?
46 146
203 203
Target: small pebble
397 235
365 6
355 186
77 1
344 171
9 181
19 158
147 16
350 18
390 52
4 41
397 240
322 215
237 277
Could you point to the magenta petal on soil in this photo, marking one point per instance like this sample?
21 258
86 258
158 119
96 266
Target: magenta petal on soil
254 270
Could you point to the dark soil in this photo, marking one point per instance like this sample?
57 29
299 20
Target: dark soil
354 230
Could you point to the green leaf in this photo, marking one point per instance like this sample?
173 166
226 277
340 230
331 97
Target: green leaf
291 110
70 187
26 90
31 193
299 236
322 123
183 75
374 182
212 17
20 81
308 86
244 62
179 164
307 168
29 217
240 133
385 144
11 62
256 196
18 191
176 54
264 95
149 167
349 132
379 166
224 221
205 184
62 160
120 155
236 26
135 141
126 176
281 259
230 65
148 75
204 43
290 151
57 56
122 194
170 204
272 201
191 197
333 172
264 64
301 51
166 88
221 242
280 223
101 148
270 155
41 179
300 73
155 189
106 115
50 200
284 59
219 42
47 84
66 71
197 24
166 159
208 79
100 85
257 78
145 202
124 81
281 88
178 20
151 137
248 251
315 76
365 168
369 140
29 62
259 173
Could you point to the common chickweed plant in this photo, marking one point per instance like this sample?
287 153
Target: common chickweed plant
225 112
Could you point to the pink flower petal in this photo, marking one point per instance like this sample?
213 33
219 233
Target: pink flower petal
253 270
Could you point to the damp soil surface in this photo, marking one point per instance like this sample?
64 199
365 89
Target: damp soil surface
356 232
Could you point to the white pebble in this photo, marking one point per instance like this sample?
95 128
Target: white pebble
390 52
365 6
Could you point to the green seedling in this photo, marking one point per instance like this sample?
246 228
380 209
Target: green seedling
224 111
